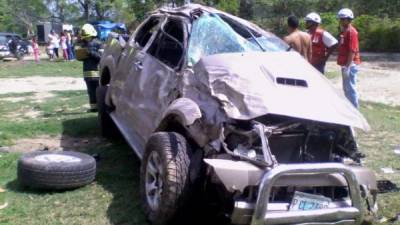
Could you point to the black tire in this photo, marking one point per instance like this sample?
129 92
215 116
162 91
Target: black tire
54 174
173 150
108 128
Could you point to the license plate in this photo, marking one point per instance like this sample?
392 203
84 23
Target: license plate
303 201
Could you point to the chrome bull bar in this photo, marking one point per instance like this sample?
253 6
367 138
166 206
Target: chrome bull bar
347 215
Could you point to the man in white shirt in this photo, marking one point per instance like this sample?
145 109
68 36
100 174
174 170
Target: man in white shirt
323 43
55 42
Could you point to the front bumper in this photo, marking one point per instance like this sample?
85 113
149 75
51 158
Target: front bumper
345 213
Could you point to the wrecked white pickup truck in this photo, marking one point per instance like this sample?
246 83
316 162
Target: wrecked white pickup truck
212 103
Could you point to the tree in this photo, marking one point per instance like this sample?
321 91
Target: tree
85 4
21 15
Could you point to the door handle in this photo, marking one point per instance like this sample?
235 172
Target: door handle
138 65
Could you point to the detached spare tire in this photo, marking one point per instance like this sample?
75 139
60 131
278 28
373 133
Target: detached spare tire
56 170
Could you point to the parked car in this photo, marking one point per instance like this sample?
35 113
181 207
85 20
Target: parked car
215 105
4 50
12 45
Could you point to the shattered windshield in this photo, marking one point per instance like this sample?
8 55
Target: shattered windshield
212 35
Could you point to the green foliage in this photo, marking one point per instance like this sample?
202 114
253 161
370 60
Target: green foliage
376 20
231 6
378 34
20 16
330 23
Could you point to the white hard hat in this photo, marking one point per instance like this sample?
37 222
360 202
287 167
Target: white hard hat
345 14
313 17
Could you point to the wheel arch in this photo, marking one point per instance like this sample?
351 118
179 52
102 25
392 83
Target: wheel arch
107 66
181 117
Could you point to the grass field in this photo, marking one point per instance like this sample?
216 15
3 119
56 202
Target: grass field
44 68
114 197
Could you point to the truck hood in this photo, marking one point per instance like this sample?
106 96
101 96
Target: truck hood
249 85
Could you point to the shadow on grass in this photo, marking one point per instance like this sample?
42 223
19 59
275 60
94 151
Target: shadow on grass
81 127
17 187
117 171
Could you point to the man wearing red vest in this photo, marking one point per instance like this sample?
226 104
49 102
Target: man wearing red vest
349 55
323 43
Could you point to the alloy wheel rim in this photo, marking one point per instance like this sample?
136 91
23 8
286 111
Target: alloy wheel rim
154 182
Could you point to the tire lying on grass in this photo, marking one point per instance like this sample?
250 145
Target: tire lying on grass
56 170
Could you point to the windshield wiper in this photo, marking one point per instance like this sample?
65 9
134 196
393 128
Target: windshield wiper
254 38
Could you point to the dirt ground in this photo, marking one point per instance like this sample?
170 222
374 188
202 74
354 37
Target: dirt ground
40 84
378 80
49 143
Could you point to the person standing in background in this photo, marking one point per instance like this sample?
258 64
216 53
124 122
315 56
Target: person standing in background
298 40
323 43
50 51
69 45
349 55
55 42
35 47
63 43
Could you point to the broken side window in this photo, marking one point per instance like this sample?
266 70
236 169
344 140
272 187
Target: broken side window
212 34
168 46
146 31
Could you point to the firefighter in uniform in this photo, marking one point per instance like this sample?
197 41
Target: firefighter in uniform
90 54
323 43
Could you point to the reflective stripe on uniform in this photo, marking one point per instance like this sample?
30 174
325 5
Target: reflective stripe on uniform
91 73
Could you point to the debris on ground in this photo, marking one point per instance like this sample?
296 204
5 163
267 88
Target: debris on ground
382 219
385 186
393 219
387 170
397 150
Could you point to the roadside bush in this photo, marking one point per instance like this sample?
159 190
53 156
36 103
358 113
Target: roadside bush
378 34
375 34
330 23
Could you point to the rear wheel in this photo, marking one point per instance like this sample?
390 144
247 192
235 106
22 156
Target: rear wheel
164 177
108 128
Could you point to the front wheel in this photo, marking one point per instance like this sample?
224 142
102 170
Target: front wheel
164 177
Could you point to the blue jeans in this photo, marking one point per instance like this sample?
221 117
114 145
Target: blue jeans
70 52
349 77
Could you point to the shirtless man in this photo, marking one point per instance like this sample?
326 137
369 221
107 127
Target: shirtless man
298 40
